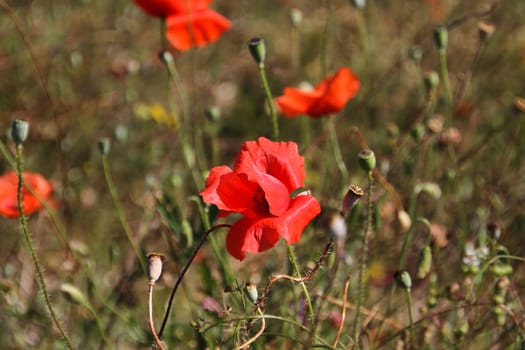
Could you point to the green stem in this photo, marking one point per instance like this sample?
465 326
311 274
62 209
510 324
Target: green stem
362 265
337 151
38 266
293 260
446 84
183 272
269 101
120 213
410 317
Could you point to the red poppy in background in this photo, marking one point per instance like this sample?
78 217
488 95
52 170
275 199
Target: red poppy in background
188 22
260 187
329 96
42 188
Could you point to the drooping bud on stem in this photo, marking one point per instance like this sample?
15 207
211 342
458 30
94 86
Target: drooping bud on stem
403 279
251 291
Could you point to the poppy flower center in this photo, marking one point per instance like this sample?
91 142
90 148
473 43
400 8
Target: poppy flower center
259 201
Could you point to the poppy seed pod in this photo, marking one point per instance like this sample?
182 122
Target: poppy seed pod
403 279
104 146
19 131
360 4
154 266
431 80
251 291
352 196
166 56
296 17
367 160
258 50
424 263
441 37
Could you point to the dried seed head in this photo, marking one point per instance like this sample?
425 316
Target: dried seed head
155 266
485 30
251 291
352 196
519 105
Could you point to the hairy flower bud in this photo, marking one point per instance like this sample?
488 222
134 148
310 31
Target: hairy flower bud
19 131
258 50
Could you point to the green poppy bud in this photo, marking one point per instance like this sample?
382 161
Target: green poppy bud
441 37
403 279
73 294
104 146
296 17
431 80
360 4
415 54
424 262
257 49
367 160
166 57
19 131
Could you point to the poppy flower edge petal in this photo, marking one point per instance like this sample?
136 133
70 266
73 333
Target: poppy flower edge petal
252 236
295 102
303 209
209 194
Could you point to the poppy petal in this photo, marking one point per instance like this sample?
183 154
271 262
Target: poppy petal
279 159
257 235
196 29
329 96
252 236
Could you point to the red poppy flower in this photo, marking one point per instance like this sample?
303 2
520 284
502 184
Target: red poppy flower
329 96
30 204
188 22
259 187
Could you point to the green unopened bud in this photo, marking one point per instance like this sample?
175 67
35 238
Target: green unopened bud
19 131
154 269
360 4
296 17
166 56
403 279
415 54
213 113
431 80
461 330
251 291
352 196
367 160
257 49
104 146
441 37
424 262
500 270
430 188
494 230
73 294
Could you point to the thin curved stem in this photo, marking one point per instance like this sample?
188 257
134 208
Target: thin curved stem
183 272
38 266
150 316
269 101
362 265
410 317
258 334
120 212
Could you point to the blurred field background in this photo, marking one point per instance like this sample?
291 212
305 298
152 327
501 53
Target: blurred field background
96 73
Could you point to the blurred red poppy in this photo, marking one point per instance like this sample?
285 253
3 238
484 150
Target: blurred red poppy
188 22
260 187
329 96
42 188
